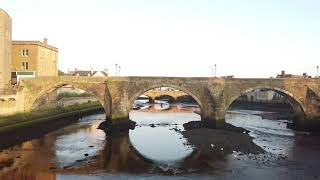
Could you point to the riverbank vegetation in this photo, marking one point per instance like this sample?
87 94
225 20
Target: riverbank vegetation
72 94
23 120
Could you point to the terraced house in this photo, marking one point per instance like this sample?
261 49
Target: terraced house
33 58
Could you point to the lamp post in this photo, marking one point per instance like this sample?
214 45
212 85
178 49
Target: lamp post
215 70
116 69
317 71
119 70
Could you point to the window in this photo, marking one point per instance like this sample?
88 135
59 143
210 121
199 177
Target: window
25 52
25 65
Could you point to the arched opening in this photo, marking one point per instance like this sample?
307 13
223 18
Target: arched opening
66 101
268 113
160 121
63 96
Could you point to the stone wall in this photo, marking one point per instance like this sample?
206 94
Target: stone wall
8 108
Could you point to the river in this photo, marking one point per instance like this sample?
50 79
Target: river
156 149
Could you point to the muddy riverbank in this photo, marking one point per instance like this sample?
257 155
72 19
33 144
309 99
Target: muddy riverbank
273 111
224 141
26 128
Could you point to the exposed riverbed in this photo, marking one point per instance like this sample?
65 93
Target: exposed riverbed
159 148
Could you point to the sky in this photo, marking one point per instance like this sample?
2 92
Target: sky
175 37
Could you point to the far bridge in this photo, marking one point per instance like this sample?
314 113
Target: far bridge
153 94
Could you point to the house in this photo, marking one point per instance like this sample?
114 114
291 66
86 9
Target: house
32 59
90 73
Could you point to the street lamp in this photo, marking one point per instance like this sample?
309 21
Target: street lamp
119 70
317 71
215 70
116 69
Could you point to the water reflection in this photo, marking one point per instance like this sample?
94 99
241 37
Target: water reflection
35 159
161 141
80 151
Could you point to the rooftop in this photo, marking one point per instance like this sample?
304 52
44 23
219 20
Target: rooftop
39 43
5 12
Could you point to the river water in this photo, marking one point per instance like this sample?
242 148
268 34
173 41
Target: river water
156 149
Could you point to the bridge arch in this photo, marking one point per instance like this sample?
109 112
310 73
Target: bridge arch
148 88
297 105
102 97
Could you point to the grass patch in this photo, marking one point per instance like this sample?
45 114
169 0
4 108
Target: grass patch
69 95
22 120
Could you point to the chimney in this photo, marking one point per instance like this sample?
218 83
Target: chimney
283 74
45 41
304 75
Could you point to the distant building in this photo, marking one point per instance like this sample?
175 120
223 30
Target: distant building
90 73
33 58
228 77
261 95
284 75
164 89
5 49
69 89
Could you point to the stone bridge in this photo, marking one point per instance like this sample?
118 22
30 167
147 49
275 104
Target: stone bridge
214 95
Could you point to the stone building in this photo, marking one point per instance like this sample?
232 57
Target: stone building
284 75
5 49
264 96
33 58
90 73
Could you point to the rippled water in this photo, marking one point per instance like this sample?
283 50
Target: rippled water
156 149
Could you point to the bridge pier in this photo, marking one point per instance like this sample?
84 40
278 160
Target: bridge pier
308 123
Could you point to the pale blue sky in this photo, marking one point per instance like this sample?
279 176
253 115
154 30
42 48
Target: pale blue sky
175 37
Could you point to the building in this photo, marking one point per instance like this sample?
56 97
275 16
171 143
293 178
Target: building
90 73
33 58
264 96
228 77
284 75
5 49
